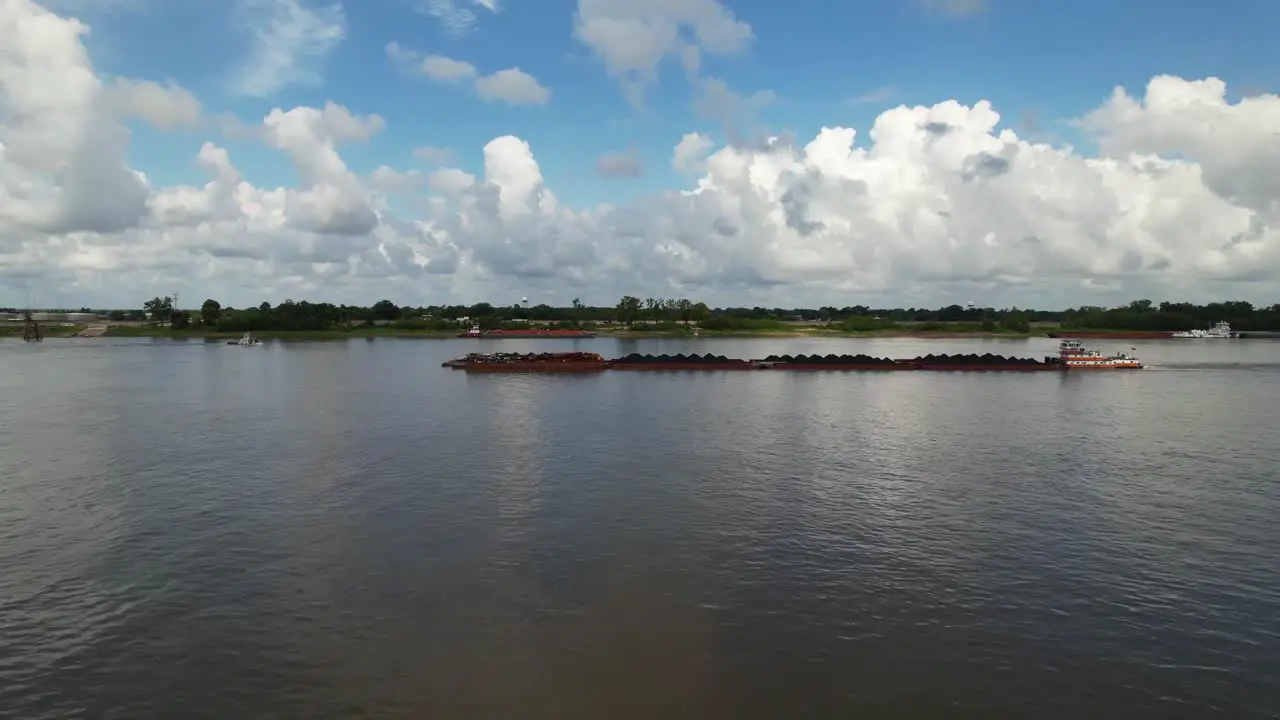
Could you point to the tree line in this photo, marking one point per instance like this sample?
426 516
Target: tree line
632 310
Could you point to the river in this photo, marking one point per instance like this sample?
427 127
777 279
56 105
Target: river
346 529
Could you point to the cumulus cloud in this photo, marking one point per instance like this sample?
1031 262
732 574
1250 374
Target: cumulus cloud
930 205
289 41
512 86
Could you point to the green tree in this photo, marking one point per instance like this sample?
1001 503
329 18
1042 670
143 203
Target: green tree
210 312
159 308
685 308
628 309
180 319
699 312
385 310
1015 321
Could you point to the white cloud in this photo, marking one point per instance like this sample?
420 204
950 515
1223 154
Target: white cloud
691 152
289 43
937 203
955 8
439 67
620 165
632 38
163 106
455 17
392 182
512 86
876 96
429 155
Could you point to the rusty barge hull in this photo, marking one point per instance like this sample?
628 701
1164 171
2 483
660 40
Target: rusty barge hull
535 367
658 367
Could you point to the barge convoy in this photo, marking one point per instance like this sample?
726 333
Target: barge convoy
1071 356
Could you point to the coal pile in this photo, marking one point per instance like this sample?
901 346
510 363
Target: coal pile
499 358
677 359
829 360
974 359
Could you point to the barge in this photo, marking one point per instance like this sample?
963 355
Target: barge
568 362
636 361
1071 356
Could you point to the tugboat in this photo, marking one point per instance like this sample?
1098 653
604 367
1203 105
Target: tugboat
1075 356
1219 330
247 340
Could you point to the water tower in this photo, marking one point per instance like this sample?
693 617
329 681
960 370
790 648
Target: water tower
524 303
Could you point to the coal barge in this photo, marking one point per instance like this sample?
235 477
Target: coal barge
1071 356
561 362
636 361
972 362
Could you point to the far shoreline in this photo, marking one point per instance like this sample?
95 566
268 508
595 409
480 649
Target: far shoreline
370 333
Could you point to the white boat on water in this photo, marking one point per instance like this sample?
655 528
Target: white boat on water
1219 330
248 340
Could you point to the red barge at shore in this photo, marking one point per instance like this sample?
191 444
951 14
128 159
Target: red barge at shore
1071 356
477 333
1118 335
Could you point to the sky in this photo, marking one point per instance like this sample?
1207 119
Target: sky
912 153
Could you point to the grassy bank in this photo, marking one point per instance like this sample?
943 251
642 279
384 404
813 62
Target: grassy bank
49 331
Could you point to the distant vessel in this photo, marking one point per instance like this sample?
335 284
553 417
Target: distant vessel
247 340
1075 356
476 332
1219 330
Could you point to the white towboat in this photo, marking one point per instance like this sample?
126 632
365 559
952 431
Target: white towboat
248 340
1219 330
1075 356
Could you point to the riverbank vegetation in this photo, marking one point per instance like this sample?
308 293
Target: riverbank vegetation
634 316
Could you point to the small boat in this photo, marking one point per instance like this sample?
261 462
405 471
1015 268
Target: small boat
247 340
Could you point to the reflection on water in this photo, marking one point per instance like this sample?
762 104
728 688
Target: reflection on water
346 529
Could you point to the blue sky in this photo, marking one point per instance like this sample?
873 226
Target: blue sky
561 119
1039 63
